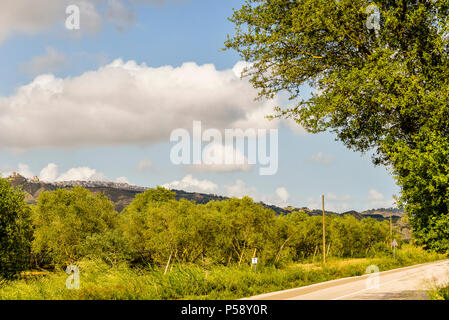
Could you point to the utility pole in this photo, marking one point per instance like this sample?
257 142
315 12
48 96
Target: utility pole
324 234
391 229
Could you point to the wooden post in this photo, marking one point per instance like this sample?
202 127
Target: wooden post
391 230
324 234
168 263
254 256
314 253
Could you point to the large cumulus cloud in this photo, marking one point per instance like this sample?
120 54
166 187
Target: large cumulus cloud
127 103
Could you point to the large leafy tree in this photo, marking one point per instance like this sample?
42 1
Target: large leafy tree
15 230
377 86
422 172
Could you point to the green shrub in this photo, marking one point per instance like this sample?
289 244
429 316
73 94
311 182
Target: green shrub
66 221
15 230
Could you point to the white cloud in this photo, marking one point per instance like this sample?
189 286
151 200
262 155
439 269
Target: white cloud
240 67
295 127
331 196
144 165
374 195
214 160
122 16
343 203
283 194
240 189
339 207
82 174
322 158
22 169
127 103
189 183
313 203
378 200
332 202
52 61
122 180
51 174
33 17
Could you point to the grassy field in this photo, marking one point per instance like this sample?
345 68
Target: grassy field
98 281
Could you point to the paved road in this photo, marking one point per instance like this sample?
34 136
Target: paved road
410 283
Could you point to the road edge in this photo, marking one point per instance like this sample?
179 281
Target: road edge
322 285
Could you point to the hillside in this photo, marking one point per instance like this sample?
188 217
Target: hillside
121 194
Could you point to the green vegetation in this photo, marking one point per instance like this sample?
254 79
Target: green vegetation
440 294
383 90
161 248
423 173
68 223
156 229
15 231
189 281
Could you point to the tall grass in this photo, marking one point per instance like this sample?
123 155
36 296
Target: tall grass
99 281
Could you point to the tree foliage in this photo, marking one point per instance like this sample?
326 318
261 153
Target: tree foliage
370 86
66 221
234 230
15 230
156 229
380 90
422 173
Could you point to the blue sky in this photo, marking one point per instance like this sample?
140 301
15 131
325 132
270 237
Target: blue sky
99 103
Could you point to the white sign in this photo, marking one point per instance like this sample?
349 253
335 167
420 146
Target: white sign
394 243
254 260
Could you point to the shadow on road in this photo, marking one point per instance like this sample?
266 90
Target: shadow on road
403 295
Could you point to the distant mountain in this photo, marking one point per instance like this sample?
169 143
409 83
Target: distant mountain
384 212
121 194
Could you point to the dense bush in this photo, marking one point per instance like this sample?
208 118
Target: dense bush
158 230
67 221
15 230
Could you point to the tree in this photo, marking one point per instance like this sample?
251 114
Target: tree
375 88
66 221
159 230
222 232
422 173
15 230
299 235
246 227
151 198
144 225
